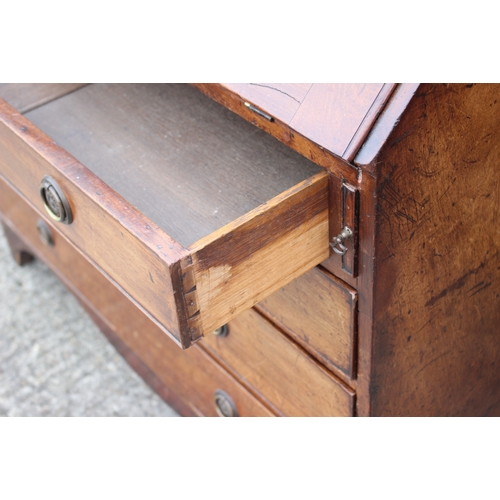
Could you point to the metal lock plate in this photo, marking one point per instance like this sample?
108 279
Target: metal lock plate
344 225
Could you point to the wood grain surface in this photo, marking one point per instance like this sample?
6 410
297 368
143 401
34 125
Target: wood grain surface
364 284
186 379
336 116
280 100
331 114
371 118
27 96
319 312
436 344
249 259
282 372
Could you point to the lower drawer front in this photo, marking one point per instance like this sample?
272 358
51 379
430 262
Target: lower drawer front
279 369
319 312
192 376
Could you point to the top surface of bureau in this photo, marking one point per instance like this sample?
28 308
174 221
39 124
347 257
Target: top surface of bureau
194 213
322 121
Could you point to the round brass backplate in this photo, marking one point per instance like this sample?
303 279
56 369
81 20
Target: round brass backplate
54 201
224 405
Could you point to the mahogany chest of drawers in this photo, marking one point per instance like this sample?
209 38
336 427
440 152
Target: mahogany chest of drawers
272 249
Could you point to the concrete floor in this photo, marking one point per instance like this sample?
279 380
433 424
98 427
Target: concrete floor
53 360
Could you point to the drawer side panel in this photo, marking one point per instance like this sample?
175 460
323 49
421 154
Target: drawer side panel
273 245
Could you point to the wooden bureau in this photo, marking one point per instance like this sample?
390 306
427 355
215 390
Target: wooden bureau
272 249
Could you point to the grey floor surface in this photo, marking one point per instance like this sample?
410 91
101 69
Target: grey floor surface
53 360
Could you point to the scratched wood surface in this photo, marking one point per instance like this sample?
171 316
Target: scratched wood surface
187 380
436 344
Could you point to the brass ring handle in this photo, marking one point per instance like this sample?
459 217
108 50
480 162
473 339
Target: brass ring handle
55 202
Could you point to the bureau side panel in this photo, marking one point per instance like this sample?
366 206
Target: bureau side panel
436 344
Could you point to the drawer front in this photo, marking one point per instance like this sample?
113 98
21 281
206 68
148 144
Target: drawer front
319 312
187 290
115 236
279 370
192 376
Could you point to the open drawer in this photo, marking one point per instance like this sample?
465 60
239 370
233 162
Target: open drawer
194 213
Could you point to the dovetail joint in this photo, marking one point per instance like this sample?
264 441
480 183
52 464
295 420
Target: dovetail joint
190 298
